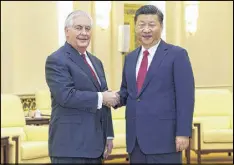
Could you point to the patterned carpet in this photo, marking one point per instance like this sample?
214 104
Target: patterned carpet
213 158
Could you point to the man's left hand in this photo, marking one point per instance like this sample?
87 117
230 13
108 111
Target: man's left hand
182 143
109 147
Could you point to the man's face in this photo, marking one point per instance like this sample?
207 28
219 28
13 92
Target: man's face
148 29
79 34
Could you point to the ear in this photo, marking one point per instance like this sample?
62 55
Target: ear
66 30
162 27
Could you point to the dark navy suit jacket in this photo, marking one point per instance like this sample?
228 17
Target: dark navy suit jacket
77 128
163 109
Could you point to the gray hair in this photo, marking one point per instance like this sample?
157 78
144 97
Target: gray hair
74 14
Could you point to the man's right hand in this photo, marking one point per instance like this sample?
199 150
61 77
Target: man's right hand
110 98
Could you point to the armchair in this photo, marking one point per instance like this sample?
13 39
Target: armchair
213 122
33 140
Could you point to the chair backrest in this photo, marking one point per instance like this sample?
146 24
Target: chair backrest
12 113
213 102
12 116
43 100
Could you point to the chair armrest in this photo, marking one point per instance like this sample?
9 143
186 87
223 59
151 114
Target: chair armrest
193 127
197 120
13 131
197 135
13 145
36 133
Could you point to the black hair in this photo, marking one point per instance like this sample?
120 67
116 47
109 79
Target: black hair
149 9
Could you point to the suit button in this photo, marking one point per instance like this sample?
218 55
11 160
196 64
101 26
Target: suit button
138 100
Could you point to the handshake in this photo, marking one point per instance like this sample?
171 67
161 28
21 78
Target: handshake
110 99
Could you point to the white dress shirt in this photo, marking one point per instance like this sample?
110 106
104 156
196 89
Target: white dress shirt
151 51
100 97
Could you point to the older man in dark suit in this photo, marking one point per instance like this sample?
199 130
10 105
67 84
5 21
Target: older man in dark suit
80 120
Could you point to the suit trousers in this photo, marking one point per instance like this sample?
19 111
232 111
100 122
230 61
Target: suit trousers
137 156
75 160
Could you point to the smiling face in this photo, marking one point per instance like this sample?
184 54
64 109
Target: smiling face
148 29
79 34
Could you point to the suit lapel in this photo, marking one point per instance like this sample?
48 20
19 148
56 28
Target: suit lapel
98 71
156 61
76 58
133 69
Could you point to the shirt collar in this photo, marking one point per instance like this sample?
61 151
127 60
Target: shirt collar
84 54
151 50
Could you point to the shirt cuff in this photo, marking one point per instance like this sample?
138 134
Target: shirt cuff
100 99
110 138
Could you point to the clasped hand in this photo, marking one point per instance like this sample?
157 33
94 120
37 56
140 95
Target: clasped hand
110 98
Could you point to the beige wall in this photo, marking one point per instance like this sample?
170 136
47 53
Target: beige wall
31 35
210 49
